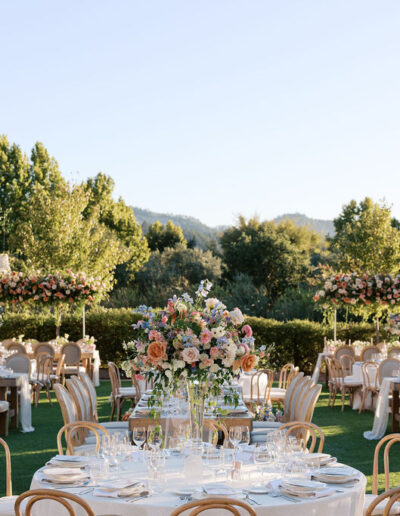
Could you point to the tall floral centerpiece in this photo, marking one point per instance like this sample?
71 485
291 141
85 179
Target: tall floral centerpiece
197 342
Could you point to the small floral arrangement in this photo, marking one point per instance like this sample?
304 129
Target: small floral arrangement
88 343
190 340
69 287
266 413
59 341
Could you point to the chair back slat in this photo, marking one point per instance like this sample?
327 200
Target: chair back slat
62 497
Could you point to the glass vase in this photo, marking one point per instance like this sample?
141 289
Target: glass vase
197 391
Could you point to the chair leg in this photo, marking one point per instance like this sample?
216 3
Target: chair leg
334 396
4 423
112 410
343 397
120 402
48 395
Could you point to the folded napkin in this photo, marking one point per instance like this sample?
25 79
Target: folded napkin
219 490
322 459
284 487
120 489
337 474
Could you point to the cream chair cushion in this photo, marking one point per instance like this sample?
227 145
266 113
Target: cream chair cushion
7 505
378 511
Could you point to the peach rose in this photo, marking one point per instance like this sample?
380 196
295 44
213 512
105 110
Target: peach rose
156 351
247 362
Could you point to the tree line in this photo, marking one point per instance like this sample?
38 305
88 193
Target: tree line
268 269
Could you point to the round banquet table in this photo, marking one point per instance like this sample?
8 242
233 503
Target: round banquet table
348 501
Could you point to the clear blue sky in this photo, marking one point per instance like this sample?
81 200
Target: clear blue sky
211 108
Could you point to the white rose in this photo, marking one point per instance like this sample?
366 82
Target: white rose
181 307
236 316
211 302
178 364
168 374
214 368
218 332
190 355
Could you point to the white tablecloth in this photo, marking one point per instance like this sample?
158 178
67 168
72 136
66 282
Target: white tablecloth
96 368
350 502
317 368
382 411
25 410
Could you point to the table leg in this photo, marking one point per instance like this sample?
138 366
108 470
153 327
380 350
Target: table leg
3 393
395 411
14 406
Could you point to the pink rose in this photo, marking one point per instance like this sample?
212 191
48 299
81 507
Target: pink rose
190 355
164 319
214 352
205 336
247 330
206 362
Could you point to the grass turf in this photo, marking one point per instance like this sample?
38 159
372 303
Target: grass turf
343 439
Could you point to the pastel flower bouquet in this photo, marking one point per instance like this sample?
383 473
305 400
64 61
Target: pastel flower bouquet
198 343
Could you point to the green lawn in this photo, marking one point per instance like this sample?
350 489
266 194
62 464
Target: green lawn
343 433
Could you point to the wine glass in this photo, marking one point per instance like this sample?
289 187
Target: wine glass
139 435
262 457
245 437
154 437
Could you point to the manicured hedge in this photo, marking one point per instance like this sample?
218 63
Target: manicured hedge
295 341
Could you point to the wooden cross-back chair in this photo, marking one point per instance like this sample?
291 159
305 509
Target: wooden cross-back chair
374 503
391 497
119 394
43 376
216 428
259 395
62 497
370 383
339 383
70 429
200 506
303 430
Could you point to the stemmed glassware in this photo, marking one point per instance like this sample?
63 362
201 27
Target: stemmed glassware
154 437
139 436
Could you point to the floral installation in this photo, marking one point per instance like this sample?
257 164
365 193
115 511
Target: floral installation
266 413
194 340
355 290
58 288
393 326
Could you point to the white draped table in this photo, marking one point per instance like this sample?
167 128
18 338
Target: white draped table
348 502
382 410
25 411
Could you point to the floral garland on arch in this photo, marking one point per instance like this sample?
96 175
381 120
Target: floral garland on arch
190 341
59 288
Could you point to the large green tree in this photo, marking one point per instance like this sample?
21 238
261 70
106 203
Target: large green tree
53 235
366 238
266 254
18 178
119 219
159 237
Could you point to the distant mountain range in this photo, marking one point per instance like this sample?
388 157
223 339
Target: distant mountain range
203 234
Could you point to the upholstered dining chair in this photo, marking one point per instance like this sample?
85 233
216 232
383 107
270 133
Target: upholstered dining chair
338 382
368 353
15 346
72 361
394 352
343 351
388 367
112 426
19 363
119 394
347 363
62 497
200 506
45 347
373 503
303 430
